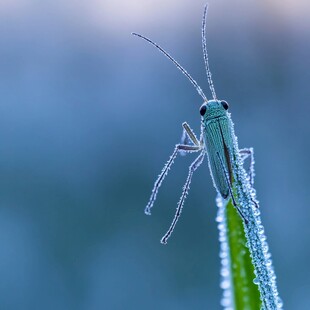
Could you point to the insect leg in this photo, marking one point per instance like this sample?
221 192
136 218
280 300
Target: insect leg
230 190
188 137
191 171
164 172
184 140
245 153
190 133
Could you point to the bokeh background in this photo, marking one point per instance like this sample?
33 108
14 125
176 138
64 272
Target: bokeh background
89 115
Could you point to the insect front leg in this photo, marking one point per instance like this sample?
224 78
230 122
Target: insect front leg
188 137
190 134
187 148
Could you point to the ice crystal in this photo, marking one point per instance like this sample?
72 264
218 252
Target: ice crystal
227 298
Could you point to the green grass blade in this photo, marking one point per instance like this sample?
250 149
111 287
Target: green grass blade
246 294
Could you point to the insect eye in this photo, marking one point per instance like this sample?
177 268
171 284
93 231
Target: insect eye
203 110
225 104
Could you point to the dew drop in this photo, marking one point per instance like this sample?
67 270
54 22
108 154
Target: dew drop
279 303
225 284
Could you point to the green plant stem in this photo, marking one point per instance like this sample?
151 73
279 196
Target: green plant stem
245 292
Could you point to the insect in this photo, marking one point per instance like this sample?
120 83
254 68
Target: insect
216 141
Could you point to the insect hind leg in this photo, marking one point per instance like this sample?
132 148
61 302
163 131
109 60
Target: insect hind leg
196 163
245 153
165 170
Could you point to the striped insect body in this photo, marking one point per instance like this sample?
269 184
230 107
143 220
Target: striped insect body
218 142
215 140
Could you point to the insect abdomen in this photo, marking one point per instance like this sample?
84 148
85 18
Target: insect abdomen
217 136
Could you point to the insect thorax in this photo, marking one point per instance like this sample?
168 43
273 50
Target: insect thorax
214 109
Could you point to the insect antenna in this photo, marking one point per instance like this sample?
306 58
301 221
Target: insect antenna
199 90
205 52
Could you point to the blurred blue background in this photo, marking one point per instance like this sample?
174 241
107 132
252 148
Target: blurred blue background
89 115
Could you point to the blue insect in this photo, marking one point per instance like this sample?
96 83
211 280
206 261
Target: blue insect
216 140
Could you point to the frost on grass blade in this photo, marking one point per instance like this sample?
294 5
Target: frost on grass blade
254 231
226 282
